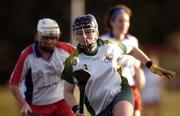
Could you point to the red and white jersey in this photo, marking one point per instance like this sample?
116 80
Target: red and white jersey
40 80
127 62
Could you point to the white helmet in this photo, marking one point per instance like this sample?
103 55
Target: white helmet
48 27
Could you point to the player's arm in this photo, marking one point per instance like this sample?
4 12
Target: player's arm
25 109
16 78
69 85
68 94
16 92
140 55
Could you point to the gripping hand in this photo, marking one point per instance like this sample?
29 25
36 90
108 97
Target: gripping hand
160 71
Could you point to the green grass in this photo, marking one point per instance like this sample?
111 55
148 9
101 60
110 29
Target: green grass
8 104
170 105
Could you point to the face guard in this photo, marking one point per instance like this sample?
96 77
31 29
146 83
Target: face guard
86 24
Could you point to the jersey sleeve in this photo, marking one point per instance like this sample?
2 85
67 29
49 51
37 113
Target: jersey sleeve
132 41
105 37
19 69
67 72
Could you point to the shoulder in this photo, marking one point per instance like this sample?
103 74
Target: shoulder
68 61
132 40
105 37
112 42
66 46
28 50
24 54
130 36
119 44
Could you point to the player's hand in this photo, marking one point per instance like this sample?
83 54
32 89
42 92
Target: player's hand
25 110
79 114
160 71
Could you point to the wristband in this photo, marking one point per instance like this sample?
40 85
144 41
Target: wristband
149 64
75 108
152 67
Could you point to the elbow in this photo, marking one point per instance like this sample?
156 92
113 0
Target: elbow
10 86
13 87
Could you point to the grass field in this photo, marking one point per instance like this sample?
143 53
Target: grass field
170 105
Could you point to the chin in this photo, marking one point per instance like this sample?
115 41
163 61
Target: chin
47 49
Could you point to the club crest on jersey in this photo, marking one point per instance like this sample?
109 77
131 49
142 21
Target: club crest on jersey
108 57
75 61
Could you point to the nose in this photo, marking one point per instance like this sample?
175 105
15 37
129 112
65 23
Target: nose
84 34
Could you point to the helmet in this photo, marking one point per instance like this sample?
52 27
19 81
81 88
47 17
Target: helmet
48 27
86 24
85 21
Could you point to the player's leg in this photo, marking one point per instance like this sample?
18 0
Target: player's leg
123 108
123 103
137 101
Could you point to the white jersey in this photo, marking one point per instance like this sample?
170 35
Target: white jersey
105 82
39 79
127 62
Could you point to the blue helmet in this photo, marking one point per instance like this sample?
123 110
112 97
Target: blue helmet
84 22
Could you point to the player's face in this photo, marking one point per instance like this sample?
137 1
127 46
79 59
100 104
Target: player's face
86 36
48 43
121 23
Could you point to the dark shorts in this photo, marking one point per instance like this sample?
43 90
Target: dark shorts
125 94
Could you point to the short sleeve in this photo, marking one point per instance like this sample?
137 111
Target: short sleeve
67 72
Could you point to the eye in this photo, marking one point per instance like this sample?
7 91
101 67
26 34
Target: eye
78 32
85 31
47 37
88 31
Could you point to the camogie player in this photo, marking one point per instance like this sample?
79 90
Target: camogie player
36 80
118 23
107 92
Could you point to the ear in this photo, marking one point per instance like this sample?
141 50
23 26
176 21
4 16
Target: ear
111 23
37 37
97 33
